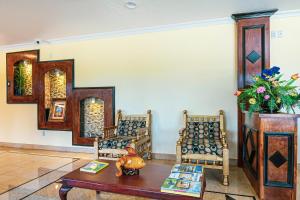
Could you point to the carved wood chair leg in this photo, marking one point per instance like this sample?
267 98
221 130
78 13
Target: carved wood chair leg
226 180
150 151
178 154
149 155
226 166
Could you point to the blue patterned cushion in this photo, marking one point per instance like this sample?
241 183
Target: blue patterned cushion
203 129
202 146
202 138
129 127
114 143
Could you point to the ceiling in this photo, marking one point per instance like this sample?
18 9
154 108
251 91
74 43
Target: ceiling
24 21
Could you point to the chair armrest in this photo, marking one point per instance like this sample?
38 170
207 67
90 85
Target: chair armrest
182 132
223 137
141 132
182 135
109 132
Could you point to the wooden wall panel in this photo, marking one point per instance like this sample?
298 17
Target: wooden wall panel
253 49
250 150
251 145
279 159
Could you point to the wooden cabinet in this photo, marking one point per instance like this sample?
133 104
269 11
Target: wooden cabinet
93 109
267 143
21 69
270 154
55 95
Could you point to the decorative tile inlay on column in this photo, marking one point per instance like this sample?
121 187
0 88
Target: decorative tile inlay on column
277 159
91 117
253 57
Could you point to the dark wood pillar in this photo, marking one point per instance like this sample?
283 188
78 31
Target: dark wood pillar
253 47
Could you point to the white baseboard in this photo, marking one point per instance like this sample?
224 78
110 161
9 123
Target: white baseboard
163 156
158 156
48 147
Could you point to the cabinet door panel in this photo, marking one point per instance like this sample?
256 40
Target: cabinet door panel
22 73
55 95
253 49
93 109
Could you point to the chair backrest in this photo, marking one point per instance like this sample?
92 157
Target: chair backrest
203 126
127 125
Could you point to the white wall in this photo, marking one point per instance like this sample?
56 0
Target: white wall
193 69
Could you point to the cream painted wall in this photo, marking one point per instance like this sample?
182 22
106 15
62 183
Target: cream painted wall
193 69
285 51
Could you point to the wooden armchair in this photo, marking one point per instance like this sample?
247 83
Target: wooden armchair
203 141
129 129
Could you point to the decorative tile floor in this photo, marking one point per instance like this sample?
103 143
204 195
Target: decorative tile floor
35 174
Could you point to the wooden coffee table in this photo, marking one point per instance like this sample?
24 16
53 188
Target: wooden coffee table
147 184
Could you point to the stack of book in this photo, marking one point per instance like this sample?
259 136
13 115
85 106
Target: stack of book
185 180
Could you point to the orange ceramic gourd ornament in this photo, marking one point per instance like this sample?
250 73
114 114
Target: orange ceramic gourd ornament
130 163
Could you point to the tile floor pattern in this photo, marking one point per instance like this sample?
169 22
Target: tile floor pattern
13 165
34 175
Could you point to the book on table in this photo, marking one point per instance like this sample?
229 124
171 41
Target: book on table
185 180
187 168
94 166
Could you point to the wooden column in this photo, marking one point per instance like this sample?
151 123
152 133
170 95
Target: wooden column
253 47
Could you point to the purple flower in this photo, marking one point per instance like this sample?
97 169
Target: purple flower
267 97
260 89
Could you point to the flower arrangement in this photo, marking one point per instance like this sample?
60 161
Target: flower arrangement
269 94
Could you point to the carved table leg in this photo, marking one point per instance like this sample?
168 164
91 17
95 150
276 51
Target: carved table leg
63 191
